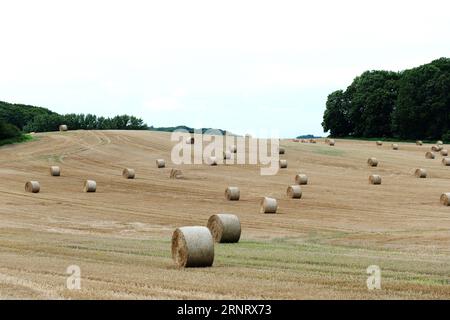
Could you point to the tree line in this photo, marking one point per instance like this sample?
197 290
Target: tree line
412 104
16 119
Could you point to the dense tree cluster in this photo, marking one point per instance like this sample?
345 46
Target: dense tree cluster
17 118
51 122
413 104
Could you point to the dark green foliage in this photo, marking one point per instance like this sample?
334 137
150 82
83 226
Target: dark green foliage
423 104
19 115
18 118
413 104
44 123
8 131
307 136
337 115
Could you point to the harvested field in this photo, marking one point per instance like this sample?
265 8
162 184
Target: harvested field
319 247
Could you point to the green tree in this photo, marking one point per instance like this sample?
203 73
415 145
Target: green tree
423 103
336 117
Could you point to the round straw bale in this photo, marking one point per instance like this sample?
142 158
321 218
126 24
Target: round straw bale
233 149
90 186
372 162
176 174
294 192
269 205
439 142
128 173
301 179
429 155
379 143
436 148
395 146
446 161
332 142
444 152
295 140
326 140
32 186
232 194
375 179
63 127
419 142
303 141
160 163
226 155
55 171
312 141
212 161
445 199
225 228
421 173
281 150
283 164
192 247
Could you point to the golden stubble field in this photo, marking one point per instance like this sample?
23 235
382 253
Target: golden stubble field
318 247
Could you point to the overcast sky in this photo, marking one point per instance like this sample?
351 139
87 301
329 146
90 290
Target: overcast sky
246 66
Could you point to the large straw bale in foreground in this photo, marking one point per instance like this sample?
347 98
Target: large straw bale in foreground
192 247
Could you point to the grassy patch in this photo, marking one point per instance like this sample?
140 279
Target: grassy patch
20 139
